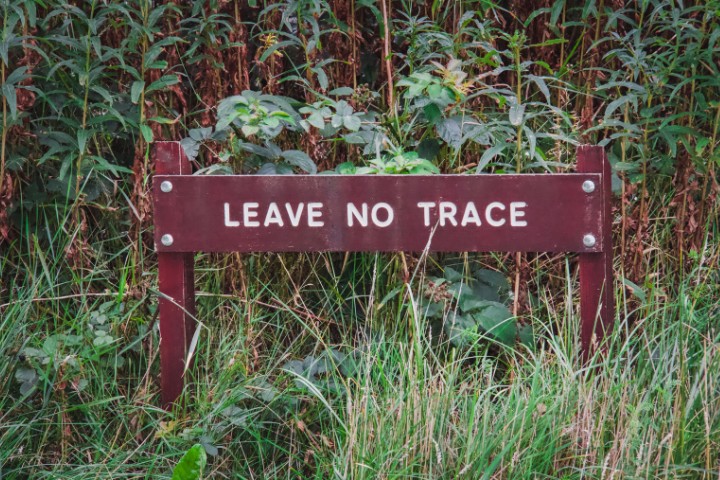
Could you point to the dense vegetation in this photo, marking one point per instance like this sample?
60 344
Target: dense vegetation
357 366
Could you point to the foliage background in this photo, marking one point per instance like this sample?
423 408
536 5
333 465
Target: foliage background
87 86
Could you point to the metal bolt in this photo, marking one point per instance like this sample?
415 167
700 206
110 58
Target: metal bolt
167 240
166 186
589 240
588 186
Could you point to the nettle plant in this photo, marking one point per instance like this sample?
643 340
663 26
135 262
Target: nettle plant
473 307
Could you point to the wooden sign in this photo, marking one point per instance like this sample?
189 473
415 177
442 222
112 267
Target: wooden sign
276 213
288 213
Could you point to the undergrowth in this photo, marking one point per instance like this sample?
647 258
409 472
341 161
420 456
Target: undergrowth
357 365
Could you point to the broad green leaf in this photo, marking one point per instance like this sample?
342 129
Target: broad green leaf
498 322
191 465
300 159
452 275
352 123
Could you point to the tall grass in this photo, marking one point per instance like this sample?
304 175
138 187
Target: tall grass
328 366
380 393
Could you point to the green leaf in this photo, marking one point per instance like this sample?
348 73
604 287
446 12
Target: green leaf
449 130
432 113
498 322
341 91
249 130
191 465
352 123
162 82
146 133
300 159
452 275
10 95
316 120
136 90
516 114
489 154
82 137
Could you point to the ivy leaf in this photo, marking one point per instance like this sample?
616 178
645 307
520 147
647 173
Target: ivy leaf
191 465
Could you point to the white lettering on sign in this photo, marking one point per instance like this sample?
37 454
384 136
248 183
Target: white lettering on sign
353 212
379 219
426 206
294 216
516 213
381 214
228 222
470 215
447 214
250 212
389 215
273 216
488 214
313 213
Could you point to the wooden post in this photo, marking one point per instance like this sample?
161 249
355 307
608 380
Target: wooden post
597 302
177 282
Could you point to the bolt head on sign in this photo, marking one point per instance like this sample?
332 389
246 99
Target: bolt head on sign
588 186
589 240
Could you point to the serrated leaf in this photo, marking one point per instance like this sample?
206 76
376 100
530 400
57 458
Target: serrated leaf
316 120
432 113
191 147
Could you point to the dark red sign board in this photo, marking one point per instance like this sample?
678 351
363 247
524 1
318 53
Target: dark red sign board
242 213
284 213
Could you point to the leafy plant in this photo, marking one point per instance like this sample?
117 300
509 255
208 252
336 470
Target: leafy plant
472 306
191 465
